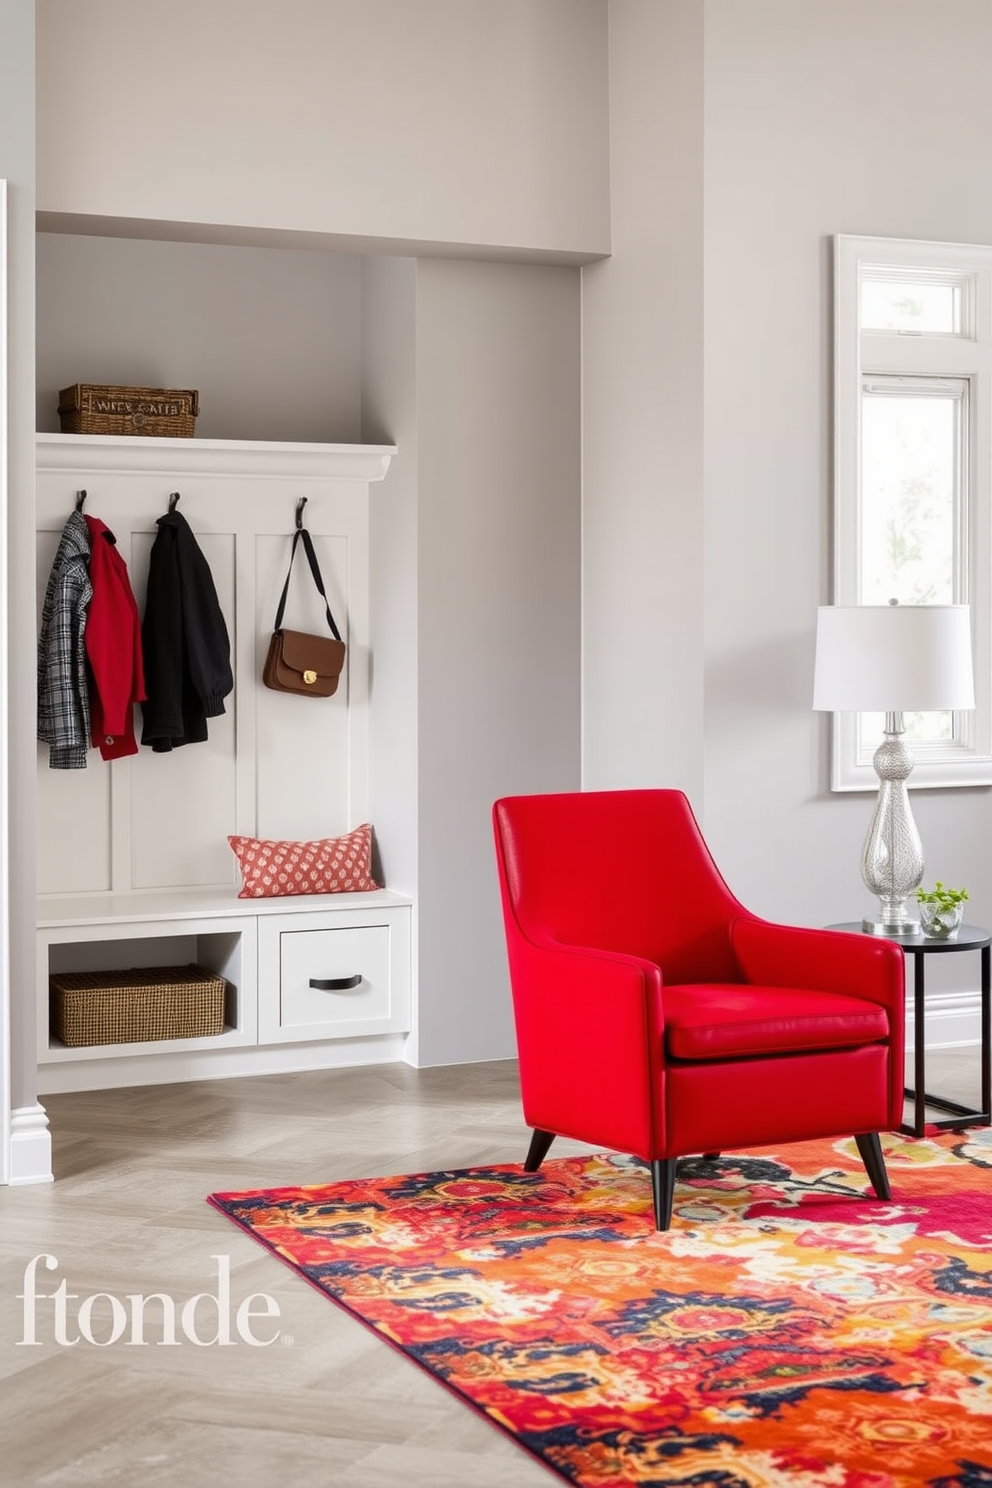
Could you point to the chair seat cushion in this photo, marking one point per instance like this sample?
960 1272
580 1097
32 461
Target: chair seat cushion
732 1020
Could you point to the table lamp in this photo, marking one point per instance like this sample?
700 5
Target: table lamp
893 659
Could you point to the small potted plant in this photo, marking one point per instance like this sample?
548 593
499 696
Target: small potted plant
941 910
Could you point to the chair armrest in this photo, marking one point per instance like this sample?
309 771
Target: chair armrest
831 961
606 999
589 1041
823 960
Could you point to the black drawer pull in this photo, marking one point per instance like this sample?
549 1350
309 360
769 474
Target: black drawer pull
336 984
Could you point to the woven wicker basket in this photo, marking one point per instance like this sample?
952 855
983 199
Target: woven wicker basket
104 408
135 1006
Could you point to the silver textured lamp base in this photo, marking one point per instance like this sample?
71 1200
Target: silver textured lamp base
892 857
900 927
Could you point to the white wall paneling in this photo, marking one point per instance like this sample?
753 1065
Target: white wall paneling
147 856
274 765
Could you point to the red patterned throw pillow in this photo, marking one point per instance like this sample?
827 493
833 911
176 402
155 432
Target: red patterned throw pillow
332 865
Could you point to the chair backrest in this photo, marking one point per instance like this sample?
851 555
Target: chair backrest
617 870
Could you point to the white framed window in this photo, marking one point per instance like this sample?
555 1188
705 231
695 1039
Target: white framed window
913 473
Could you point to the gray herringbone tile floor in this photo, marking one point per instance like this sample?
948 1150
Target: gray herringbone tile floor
328 1403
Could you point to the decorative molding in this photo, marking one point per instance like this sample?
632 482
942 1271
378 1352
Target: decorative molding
953 1020
115 1073
30 1146
247 459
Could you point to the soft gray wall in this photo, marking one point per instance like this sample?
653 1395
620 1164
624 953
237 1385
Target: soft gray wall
642 417
271 338
389 416
17 750
830 116
498 405
430 122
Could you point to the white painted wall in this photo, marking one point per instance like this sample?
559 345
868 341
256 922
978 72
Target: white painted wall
830 116
642 417
498 412
430 122
389 416
271 338
28 1151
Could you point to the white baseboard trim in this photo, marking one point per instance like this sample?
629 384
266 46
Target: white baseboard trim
953 1020
90 1072
30 1146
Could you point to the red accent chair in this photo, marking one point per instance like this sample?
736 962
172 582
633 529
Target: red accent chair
655 1015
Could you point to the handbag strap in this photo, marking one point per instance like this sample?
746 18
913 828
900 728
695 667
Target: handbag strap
301 532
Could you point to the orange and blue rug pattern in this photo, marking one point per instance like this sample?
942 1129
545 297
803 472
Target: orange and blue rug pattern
788 1331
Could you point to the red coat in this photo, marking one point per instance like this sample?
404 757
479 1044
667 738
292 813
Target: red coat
113 647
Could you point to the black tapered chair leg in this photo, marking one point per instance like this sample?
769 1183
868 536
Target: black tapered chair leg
540 1141
663 1186
870 1149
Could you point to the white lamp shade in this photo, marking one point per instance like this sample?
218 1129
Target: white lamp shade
893 658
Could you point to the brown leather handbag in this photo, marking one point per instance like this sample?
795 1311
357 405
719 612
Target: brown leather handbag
297 661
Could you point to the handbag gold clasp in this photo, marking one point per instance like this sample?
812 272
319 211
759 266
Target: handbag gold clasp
309 676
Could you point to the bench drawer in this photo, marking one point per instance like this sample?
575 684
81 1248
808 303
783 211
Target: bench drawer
341 981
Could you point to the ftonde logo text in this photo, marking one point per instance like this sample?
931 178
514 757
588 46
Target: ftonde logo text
138 1320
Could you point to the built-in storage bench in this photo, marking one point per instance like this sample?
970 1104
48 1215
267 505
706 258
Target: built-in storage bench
271 953
134 867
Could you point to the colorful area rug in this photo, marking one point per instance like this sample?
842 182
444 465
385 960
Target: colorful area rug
787 1330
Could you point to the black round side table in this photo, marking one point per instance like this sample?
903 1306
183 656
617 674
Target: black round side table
968 938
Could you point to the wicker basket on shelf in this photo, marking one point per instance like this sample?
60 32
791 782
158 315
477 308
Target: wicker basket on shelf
105 408
135 1006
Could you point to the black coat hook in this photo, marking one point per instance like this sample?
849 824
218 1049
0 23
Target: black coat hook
299 512
80 500
173 500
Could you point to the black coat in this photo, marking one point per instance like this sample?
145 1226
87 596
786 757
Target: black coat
187 652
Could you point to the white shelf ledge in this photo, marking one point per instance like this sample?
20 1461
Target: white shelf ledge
61 911
247 459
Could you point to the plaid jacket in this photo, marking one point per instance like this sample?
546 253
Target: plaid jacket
63 698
